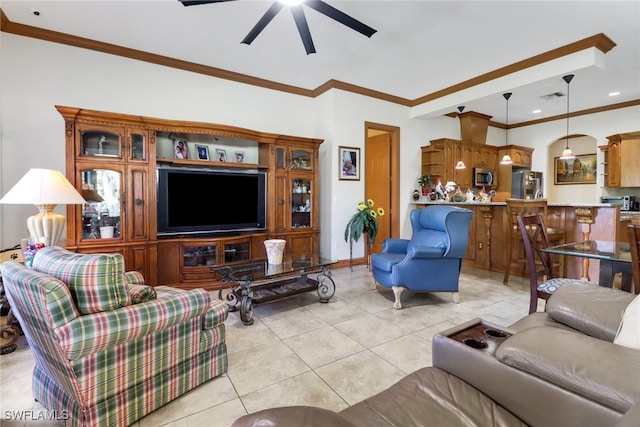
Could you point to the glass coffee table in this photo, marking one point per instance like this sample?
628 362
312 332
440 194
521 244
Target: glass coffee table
257 281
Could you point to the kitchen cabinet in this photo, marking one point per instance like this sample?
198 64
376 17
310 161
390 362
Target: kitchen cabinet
440 158
521 156
622 160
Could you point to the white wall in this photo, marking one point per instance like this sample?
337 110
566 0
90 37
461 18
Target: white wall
595 128
37 75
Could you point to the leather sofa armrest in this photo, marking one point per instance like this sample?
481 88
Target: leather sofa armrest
593 310
631 417
395 245
596 369
532 399
303 416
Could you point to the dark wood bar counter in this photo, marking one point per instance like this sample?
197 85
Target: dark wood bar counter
489 232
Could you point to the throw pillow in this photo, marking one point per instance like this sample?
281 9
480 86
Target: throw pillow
629 333
96 281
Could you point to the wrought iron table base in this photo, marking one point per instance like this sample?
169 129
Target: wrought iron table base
246 293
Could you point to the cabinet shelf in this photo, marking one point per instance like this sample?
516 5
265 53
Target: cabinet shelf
200 163
116 156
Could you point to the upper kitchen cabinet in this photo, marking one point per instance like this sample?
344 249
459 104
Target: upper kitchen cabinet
521 156
622 160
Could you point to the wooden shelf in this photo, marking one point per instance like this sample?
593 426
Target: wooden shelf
201 163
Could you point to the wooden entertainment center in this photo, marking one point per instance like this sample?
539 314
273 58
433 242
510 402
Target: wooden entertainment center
112 160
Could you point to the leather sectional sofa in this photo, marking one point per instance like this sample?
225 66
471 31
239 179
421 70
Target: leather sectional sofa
557 368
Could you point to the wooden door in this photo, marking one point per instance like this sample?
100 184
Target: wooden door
378 182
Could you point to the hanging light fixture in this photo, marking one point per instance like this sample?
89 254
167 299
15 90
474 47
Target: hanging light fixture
460 164
506 159
567 154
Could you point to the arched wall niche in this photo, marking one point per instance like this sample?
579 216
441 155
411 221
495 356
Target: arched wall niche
573 193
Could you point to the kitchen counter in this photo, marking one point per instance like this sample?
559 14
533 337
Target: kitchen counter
487 249
550 204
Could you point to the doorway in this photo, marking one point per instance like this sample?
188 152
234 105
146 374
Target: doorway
382 177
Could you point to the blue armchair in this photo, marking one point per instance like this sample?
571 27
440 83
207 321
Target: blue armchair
431 260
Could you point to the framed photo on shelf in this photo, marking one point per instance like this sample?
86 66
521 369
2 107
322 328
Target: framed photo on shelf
221 155
180 150
581 170
203 152
349 163
239 156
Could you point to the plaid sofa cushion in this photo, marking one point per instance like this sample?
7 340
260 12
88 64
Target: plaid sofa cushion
138 291
96 281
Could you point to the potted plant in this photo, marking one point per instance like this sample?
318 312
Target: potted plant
425 184
365 220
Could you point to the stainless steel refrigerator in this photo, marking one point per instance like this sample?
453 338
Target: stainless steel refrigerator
526 184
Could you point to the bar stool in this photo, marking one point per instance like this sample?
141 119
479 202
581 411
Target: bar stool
515 247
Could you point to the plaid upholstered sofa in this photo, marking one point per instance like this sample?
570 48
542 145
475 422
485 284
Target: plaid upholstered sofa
109 349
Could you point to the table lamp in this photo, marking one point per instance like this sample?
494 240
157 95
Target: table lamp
44 188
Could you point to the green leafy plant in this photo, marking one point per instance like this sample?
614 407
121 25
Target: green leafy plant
424 180
364 220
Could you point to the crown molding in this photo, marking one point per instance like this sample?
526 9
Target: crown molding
599 41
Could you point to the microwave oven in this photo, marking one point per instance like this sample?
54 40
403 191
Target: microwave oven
626 203
482 177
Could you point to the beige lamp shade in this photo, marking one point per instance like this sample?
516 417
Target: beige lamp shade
506 160
567 154
44 188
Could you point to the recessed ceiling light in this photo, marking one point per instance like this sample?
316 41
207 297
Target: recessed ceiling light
614 93
536 111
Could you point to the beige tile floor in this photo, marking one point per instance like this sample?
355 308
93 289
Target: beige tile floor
301 352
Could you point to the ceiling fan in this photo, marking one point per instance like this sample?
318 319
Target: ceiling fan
299 18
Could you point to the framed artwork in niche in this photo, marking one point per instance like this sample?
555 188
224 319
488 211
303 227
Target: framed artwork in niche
582 169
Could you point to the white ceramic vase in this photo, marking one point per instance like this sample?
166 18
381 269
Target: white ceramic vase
275 249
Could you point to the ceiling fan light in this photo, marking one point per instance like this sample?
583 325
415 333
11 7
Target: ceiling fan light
567 154
460 165
291 2
506 160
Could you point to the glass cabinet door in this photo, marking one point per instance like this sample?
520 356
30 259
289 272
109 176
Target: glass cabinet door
301 203
100 143
236 251
281 154
137 146
294 158
200 255
101 188
301 159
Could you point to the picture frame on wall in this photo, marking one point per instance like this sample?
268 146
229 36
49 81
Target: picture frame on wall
203 152
221 155
180 149
349 163
583 169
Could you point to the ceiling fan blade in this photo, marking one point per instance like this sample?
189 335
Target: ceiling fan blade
303 28
341 17
197 2
262 23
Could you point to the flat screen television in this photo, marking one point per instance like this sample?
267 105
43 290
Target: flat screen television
206 201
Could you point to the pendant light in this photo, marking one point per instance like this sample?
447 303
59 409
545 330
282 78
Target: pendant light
567 154
460 164
506 159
